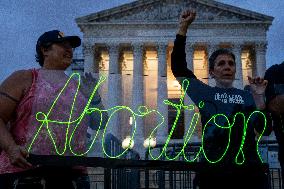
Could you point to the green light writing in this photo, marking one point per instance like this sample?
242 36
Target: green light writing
142 111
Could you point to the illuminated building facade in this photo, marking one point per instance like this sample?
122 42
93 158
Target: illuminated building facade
132 44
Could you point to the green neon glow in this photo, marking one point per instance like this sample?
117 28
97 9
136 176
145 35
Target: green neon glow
142 111
43 119
239 159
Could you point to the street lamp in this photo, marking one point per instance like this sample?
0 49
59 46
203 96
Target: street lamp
127 143
150 141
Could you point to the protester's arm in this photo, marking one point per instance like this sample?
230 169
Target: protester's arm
196 90
186 18
178 57
88 85
11 91
258 86
98 119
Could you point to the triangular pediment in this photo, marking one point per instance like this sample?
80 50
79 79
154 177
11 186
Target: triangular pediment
169 11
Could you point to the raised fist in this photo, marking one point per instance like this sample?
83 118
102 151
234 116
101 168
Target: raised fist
186 18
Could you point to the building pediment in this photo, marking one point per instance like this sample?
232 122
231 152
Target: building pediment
162 11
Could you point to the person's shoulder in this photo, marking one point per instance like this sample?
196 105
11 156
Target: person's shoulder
21 73
19 78
274 69
271 72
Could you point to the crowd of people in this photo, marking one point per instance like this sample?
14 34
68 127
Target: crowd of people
26 92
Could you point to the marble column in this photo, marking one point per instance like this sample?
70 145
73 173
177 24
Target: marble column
96 150
114 89
162 131
260 51
237 50
126 93
211 47
162 59
138 95
88 52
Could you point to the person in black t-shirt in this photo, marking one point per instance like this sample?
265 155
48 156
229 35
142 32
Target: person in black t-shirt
225 146
275 104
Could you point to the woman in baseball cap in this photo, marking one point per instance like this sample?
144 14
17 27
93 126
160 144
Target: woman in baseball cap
25 93
53 37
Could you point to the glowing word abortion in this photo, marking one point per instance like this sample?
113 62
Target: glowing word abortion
143 111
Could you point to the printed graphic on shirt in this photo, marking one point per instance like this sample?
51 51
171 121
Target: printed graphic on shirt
231 99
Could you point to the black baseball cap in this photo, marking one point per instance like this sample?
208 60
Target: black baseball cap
56 36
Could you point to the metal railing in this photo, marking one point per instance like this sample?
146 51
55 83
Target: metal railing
128 172
185 179
120 178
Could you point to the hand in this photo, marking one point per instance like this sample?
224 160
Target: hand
257 85
88 84
17 155
186 18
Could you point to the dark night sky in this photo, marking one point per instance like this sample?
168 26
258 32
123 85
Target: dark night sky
23 21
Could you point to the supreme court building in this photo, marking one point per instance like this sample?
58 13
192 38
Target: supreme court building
132 44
